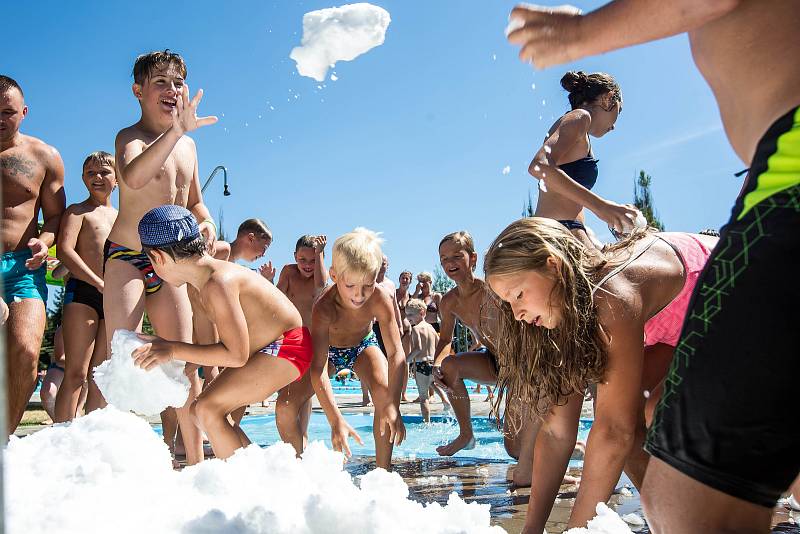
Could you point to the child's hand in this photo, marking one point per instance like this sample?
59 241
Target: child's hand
38 253
391 422
209 232
319 243
438 379
184 114
267 271
156 352
339 434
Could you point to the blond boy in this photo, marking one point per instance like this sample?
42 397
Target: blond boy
423 349
156 164
84 229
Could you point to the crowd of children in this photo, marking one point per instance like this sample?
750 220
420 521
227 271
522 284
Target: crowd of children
558 315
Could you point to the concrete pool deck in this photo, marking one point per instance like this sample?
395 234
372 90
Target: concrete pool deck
474 479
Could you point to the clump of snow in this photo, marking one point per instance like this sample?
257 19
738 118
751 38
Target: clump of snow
605 522
633 520
131 388
507 170
109 472
338 34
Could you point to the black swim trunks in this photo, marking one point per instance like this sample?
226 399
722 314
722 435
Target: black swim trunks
423 368
722 419
83 293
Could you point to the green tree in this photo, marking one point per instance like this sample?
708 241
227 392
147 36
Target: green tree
643 200
221 229
527 208
441 283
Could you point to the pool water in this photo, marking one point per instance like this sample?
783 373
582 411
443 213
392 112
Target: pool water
421 438
353 387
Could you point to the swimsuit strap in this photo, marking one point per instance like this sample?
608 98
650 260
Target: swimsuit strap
619 268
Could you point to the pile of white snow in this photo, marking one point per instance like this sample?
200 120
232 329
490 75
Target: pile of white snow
605 522
338 34
132 388
109 472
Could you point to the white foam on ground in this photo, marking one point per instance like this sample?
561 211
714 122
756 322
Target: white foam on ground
131 388
109 472
605 522
338 34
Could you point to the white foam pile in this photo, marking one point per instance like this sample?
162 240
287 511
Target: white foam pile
338 34
131 388
605 522
109 472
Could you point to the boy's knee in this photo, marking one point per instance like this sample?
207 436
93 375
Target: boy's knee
75 376
204 411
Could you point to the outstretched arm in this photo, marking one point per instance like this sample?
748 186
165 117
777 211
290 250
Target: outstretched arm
552 36
320 272
138 163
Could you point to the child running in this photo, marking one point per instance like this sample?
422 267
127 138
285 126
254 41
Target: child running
574 316
422 353
342 330
565 165
84 229
263 343
302 282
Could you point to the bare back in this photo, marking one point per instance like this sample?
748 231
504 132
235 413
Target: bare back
25 168
171 185
749 58
423 342
268 312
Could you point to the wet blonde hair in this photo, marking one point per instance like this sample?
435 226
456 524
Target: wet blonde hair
358 252
425 276
416 306
539 367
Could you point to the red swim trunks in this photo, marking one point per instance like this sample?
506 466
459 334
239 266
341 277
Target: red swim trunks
294 347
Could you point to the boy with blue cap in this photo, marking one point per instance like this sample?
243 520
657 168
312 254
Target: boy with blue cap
263 343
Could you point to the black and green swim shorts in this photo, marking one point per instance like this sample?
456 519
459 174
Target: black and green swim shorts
723 417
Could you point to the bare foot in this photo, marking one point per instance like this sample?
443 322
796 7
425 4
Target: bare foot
366 402
569 479
461 442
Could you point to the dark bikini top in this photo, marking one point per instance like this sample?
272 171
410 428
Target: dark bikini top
583 171
432 307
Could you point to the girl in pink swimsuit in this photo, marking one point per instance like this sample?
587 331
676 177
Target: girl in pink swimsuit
574 317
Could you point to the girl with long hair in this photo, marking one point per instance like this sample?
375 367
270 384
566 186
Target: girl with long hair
574 317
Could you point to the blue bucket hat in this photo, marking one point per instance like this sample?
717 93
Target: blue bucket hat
167 225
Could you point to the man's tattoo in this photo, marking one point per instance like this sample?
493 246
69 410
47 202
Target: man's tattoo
18 167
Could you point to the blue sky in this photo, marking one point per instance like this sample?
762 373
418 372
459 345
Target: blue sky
410 141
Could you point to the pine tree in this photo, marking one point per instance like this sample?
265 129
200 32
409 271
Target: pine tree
643 200
527 209
441 283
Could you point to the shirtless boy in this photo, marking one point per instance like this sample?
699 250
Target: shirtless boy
84 230
253 238
33 178
263 345
422 353
720 466
156 164
343 338
302 282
